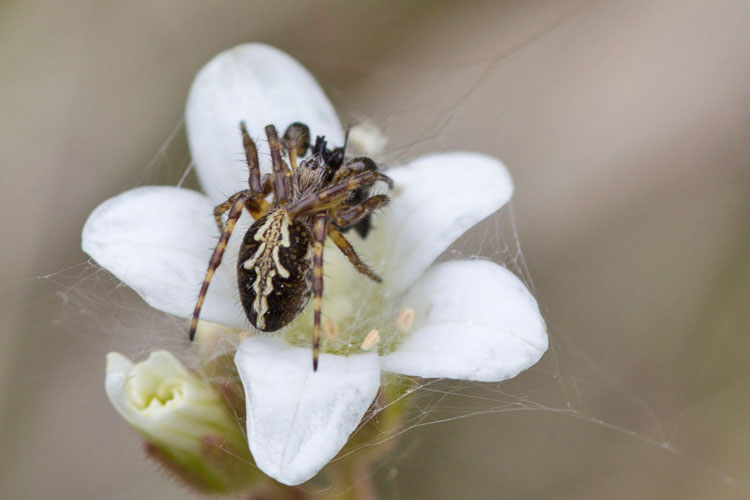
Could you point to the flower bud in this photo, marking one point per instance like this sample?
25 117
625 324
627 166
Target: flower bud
186 425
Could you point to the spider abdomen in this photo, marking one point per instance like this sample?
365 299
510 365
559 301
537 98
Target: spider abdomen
274 270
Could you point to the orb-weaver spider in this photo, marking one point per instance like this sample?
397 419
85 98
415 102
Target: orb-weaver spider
281 258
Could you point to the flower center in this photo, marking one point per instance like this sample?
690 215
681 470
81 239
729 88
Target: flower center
159 394
169 390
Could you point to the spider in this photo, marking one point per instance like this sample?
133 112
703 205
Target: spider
280 261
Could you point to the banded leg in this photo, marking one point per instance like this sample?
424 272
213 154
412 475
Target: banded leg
257 206
353 167
319 237
328 197
280 169
362 225
348 250
234 214
251 156
220 210
347 216
259 188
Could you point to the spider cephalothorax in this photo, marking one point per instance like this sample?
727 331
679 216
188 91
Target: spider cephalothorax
280 262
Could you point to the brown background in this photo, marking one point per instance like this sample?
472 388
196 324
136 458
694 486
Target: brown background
626 125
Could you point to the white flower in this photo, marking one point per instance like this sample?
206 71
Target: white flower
472 319
181 415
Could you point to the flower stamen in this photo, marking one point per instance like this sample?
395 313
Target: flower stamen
371 339
330 327
405 319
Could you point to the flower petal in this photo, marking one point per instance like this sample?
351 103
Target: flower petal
475 320
437 198
158 240
297 419
259 85
118 368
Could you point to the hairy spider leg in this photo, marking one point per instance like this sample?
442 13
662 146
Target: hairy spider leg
351 214
251 199
319 237
257 206
251 156
255 202
331 196
353 167
280 169
347 249
234 214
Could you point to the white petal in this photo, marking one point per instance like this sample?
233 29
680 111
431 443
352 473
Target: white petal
475 320
159 240
259 85
118 368
437 198
297 419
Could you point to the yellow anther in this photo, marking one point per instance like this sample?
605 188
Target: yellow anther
330 327
371 339
405 319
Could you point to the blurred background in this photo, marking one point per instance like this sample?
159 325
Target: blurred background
626 126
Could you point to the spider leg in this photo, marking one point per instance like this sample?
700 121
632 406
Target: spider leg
259 189
251 155
319 236
256 205
280 169
234 214
347 216
353 167
334 194
348 250
357 166
254 196
220 210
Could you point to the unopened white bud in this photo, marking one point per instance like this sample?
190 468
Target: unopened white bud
180 415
